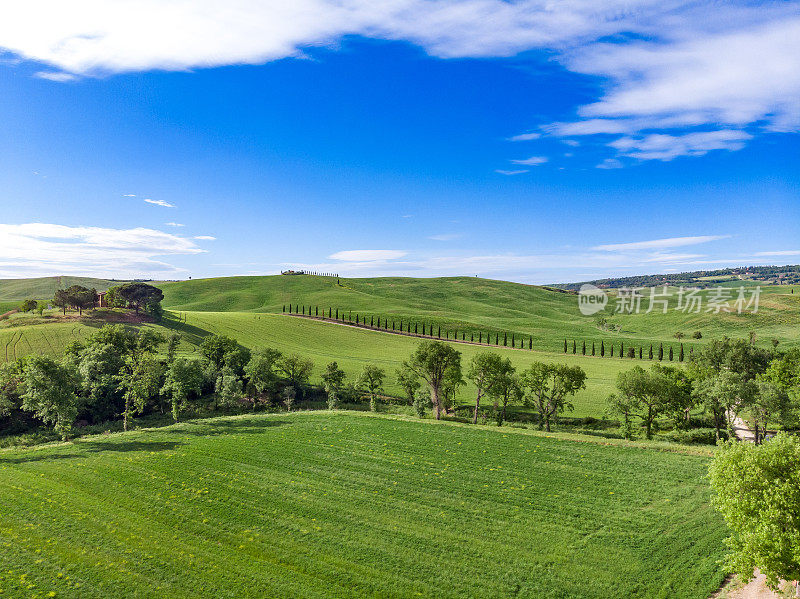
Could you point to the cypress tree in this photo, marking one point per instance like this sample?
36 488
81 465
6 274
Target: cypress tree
583 350
463 336
284 308
512 340
393 325
670 353
480 336
680 355
356 317
612 350
621 349
565 346
423 328
316 311
650 355
415 328
472 337
592 347
372 322
640 353
660 352
505 339
439 333
574 347
530 342
602 349
497 339
337 313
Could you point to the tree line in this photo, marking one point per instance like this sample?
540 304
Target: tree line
728 379
136 296
411 326
630 351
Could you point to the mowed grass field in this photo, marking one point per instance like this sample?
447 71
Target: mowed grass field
472 304
346 504
321 342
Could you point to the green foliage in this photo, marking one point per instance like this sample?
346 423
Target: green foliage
29 305
547 387
758 493
229 388
371 382
185 377
421 401
261 370
437 363
409 382
50 392
139 296
296 370
333 381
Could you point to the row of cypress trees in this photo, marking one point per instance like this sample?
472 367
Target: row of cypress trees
410 328
632 352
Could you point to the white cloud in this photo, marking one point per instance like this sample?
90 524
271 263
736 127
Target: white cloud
525 137
367 255
673 65
532 161
510 173
446 236
39 249
57 76
779 253
90 37
658 146
610 163
175 224
670 242
159 203
128 195
204 238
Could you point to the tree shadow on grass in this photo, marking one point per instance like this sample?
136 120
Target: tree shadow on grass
247 426
82 450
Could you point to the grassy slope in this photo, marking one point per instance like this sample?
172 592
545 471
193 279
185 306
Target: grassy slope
474 304
321 342
45 287
330 505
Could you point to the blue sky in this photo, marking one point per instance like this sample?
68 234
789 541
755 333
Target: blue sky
520 140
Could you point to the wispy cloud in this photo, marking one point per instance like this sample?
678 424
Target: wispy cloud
779 253
653 244
39 249
675 67
532 161
128 195
367 255
511 173
175 224
525 137
159 203
446 236
204 238
667 147
58 76
610 163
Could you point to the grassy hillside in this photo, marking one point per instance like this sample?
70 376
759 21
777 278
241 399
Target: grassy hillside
474 304
321 342
45 287
334 505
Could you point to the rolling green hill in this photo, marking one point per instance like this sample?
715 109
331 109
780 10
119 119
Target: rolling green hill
345 504
321 342
45 287
473 304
